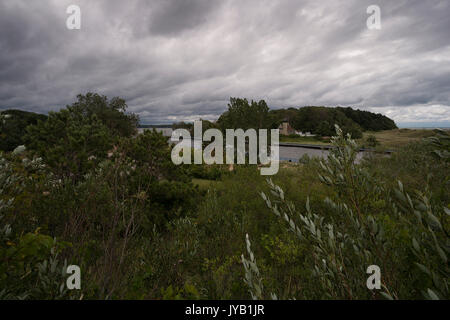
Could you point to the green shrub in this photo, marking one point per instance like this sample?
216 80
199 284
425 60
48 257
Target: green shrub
406 237
372 142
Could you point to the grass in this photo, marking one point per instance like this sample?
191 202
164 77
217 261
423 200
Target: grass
396 138
388 139
204 184
303 140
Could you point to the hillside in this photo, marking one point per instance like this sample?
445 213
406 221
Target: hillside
321 120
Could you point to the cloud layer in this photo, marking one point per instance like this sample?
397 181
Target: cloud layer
178 60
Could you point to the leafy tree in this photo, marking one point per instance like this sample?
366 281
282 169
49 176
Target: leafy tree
244 115
321 121
151 153
280 115
73 140
324 129
12 127
111 113
368 120
70 142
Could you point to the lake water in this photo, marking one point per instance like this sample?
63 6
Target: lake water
167 132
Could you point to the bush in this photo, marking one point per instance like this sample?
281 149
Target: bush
370 225
25 272
372 142
12 127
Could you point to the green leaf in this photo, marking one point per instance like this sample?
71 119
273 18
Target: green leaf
423 268
387 295
432 295
415 245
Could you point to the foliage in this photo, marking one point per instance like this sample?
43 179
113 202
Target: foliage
76 139
441 143
372 142
321 121
110 113
368 120
243 114
29 265
139 228
12 127
357 236
70 143
252 276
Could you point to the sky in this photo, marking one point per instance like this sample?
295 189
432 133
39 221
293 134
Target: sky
181 60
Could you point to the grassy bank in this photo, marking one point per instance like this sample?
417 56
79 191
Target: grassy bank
393 139
303 140
387 139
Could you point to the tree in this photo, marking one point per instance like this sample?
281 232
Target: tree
244 115
70 142
12 127
321 121
73 140
111 113
151 154
368 120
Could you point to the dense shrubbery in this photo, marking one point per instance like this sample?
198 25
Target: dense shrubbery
12 127
29 265
93 184
76 139
138 228
366 224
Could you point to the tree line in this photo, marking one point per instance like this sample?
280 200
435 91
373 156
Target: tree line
241 113
245 114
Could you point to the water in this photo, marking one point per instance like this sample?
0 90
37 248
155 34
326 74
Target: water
287 153
294 153
291 153
167 132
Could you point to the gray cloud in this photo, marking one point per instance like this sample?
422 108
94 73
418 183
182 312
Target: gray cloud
180 60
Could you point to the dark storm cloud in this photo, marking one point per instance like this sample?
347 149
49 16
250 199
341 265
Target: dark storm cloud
178 60
174 16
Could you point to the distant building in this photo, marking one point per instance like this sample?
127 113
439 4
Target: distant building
286 129
305 134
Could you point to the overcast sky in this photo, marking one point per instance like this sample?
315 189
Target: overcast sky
176 60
